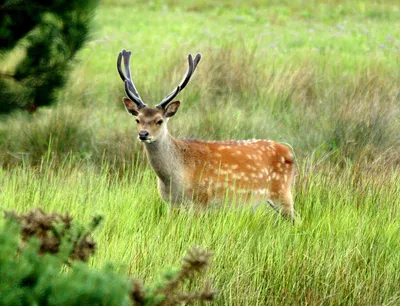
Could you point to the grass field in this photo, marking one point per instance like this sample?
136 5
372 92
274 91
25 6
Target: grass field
323 76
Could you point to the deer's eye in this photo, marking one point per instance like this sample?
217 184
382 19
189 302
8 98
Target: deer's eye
137 120
159 122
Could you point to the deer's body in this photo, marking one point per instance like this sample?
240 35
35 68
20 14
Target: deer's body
254 171
202 172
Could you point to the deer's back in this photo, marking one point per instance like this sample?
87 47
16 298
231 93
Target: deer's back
258 169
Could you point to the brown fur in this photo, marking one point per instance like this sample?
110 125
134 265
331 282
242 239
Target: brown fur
255 171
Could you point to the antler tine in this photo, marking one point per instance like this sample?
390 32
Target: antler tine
130 88
127 57
189 72
121 74
192 66
197 59
131 96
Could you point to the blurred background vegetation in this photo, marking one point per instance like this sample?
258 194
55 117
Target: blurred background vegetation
320 75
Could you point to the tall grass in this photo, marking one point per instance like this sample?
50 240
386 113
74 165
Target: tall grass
346 250
322 76
340 117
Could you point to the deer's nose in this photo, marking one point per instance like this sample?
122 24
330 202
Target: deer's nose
143 135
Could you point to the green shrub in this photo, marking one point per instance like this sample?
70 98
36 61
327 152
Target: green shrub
37 247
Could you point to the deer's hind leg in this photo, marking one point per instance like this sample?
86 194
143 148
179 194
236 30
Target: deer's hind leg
283 204
281 198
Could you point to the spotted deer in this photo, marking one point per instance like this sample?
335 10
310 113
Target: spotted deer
258 171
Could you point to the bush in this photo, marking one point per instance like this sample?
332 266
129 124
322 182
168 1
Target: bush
37 246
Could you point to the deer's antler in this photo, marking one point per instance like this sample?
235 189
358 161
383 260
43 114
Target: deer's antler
192 67
130 88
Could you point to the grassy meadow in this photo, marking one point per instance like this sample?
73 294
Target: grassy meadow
322 76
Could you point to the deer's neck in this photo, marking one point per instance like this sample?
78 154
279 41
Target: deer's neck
165 159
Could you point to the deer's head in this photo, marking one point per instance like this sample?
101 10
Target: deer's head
151 121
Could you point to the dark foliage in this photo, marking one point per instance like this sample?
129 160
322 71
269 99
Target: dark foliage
49 33
53 229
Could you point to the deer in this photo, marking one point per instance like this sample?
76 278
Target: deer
205 172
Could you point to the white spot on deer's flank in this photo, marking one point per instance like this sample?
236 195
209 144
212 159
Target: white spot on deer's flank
261 191
222 172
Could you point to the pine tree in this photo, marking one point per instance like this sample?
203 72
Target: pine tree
48 34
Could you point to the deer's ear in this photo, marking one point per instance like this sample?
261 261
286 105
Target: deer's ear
130 107
172 108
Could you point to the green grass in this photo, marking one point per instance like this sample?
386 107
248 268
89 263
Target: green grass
320 75
346 250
